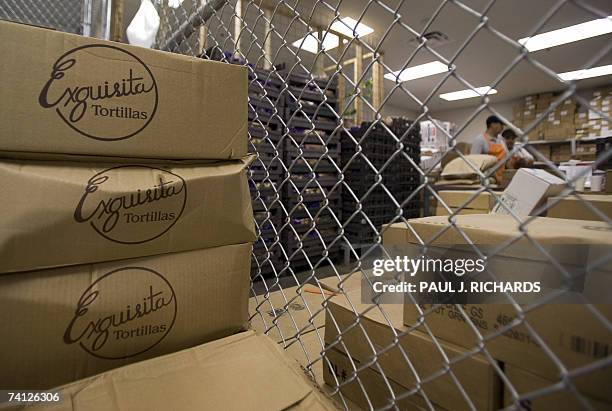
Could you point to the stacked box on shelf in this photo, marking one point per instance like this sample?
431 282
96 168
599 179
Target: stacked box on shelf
372 155
600 105
312 195
265 130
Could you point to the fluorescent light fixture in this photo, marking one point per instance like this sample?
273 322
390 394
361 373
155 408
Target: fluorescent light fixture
310 43
569 34
346 26
587 73
469 93
420 71
350 28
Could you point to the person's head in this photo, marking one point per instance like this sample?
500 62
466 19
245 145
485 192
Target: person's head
494 126
510 137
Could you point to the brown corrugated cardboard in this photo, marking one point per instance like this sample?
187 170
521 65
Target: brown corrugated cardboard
59 325
243 371
56 214
338 369
495 229
476 374
561 399
467 199
528 189
93 97
443 212
575 208
572 332
282 314
350 282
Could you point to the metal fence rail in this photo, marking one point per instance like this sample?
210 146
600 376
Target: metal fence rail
332 170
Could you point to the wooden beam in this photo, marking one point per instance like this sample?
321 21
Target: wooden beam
378 87
268 40
202 35
341 89
116 23
358 72
237 25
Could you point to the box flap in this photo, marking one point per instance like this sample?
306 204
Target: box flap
241 371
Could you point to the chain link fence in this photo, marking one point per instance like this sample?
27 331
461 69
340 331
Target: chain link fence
64 15
337 169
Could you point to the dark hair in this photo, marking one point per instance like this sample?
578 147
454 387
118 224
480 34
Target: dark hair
509 134
493 120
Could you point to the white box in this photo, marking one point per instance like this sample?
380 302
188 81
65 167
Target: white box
528 189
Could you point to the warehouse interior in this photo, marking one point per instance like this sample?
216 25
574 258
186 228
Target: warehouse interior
306 204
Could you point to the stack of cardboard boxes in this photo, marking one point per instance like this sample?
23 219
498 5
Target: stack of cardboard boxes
601 100
127 222
452 371
525 113
567 120
559 123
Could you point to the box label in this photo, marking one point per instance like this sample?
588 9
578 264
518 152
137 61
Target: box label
123 314
116 105
122 211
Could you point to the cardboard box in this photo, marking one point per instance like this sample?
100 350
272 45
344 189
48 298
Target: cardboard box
208 376
525 383
284 314
476 375
350 282
528 190
442 211
63 324
57 214
92 97
575 208
575 336
467 199
339 370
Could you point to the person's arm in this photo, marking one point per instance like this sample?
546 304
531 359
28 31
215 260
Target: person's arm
526 157
479 146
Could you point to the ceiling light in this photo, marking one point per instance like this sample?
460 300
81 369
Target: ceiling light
420 71
569 34
350 28
587 73
346 26
310 43
469 93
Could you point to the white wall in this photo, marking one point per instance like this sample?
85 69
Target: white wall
478 125
394 111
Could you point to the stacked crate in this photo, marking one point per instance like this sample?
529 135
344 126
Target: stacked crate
398 179
311 194
265 130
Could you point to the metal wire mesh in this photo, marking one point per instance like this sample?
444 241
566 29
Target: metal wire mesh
64 15
325 185
322 184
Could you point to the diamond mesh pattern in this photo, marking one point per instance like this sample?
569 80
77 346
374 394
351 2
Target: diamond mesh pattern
325 185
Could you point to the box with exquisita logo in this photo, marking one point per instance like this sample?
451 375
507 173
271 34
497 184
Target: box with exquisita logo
68 94
63 324
66 213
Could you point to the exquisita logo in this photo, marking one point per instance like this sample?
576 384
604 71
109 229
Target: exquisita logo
102 92
132 204
123 313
